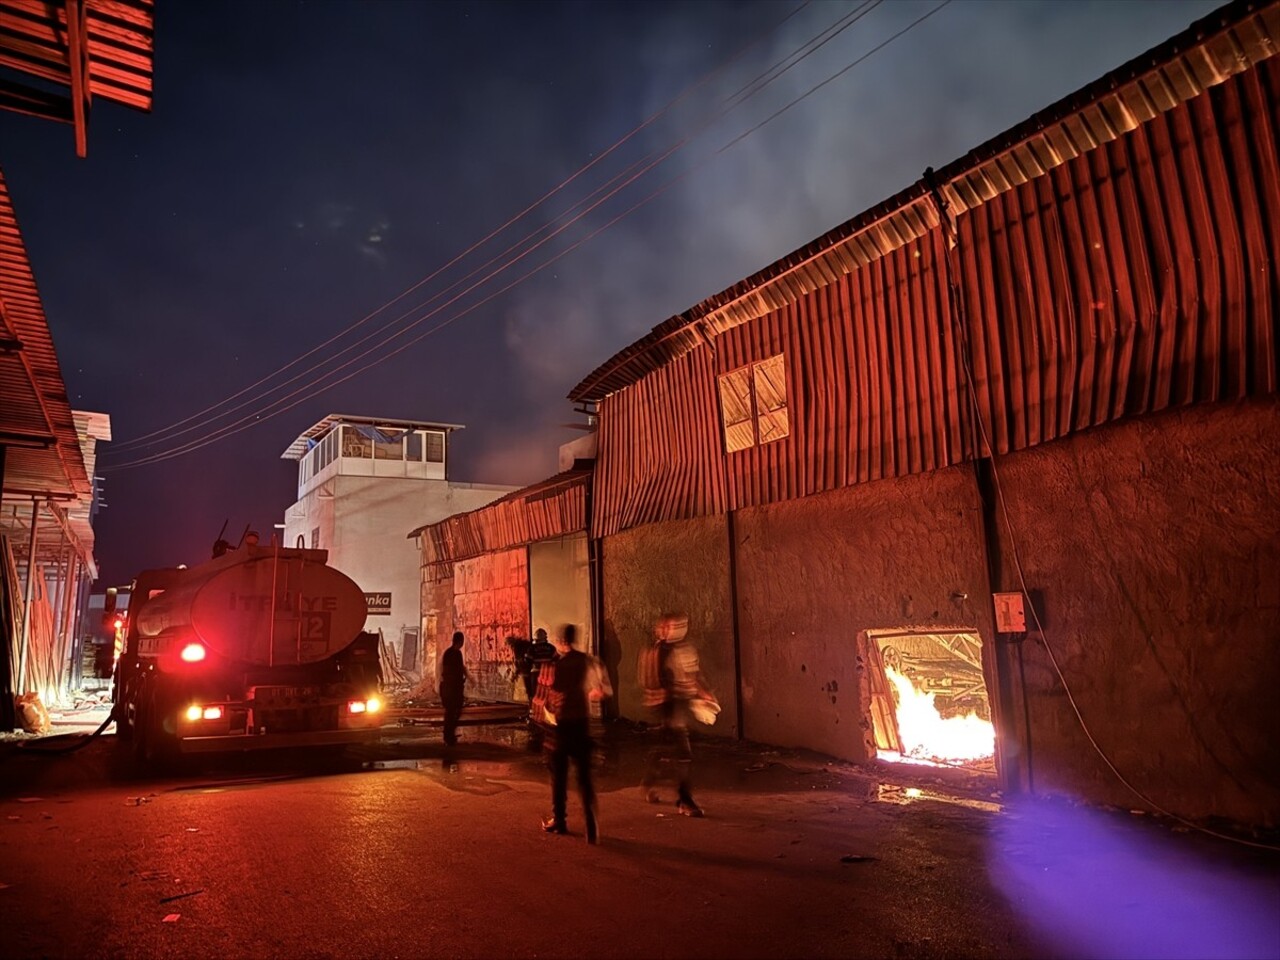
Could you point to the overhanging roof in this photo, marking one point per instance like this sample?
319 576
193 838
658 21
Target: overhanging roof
554 507
75 50
1229 41
299 447
43 458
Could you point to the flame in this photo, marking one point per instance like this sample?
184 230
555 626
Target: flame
926 735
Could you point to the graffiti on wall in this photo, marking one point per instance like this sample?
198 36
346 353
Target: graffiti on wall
491 603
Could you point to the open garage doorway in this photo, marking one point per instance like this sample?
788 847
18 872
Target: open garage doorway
928 697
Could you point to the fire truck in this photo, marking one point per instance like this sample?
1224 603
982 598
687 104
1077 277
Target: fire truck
260 647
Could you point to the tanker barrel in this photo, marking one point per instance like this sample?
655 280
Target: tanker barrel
317 610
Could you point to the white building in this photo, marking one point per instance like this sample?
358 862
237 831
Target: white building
363 484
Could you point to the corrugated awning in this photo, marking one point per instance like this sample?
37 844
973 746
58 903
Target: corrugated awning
554 507
1208 52
36 425
56 57
305 439
44 439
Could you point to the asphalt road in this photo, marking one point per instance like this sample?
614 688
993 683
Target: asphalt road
406 851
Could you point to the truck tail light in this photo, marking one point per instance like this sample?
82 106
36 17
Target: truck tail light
372 705
197 712
355 706
193 652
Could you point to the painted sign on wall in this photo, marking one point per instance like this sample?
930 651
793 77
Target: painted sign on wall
379 604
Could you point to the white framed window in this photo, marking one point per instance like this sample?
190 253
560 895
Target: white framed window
753 404
434 446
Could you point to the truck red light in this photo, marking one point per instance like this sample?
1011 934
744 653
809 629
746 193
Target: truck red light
356 706
193 652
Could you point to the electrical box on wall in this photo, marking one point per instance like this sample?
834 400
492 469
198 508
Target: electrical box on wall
1011 614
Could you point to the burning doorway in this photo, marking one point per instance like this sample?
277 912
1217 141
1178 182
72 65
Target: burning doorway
928 697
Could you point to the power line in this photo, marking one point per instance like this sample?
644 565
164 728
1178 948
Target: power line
267 412
648 121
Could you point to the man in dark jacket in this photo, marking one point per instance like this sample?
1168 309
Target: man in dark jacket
453 677
573 684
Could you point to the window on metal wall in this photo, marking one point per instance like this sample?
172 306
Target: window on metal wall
435 446
753 404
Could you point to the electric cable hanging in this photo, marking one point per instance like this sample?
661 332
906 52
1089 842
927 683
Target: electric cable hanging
957 314
268 412
649 163
648 121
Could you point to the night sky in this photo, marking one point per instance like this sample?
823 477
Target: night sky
306 163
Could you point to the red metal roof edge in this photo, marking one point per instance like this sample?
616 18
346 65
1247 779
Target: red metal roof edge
563 479
612 375
24 314
298 447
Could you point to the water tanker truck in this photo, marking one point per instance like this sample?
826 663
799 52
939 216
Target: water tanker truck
260 647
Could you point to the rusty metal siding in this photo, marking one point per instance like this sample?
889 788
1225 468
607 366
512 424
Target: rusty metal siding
1115 256
1232 40
554 508
33 396
1139 276
873 380
660 451
873 390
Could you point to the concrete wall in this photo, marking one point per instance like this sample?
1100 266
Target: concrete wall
1156 543
437 632
670 566
372 518
814 573
364 523
560 587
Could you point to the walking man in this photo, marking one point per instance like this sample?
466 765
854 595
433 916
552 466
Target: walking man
575 681
453 676
669 674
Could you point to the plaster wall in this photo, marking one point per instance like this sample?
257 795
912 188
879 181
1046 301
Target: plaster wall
816 572
364 522
560 587
437 631
1155 544
681 565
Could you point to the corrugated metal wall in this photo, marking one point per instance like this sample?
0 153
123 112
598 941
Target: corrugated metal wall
1137 276
554 508
660 455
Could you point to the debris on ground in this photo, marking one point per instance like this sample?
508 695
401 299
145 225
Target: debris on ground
181 896
856 858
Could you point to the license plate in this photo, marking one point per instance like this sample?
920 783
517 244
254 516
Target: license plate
281 696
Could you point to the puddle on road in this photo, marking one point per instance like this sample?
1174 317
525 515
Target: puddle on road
482 768
897 794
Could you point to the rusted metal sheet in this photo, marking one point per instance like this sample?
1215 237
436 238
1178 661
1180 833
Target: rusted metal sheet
1136 277
1115 255
659 453
119 34
44 458
89 48
553 508
1228 42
